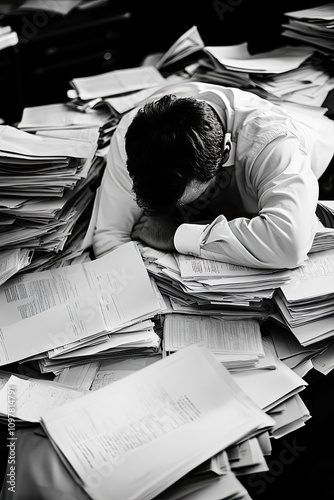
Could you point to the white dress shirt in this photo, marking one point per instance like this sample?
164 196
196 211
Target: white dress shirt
271 178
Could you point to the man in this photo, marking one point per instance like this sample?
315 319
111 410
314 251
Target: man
215 172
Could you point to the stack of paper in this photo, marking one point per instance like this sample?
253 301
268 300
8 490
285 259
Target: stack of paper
190 59
240 347
313 26
116 92
215 476
8 37
306 303
80 313
176 397
117 82
195 285
297 77
46 188
62 120
109 95
318 355
307 85
276 391
284 403
292 74
235 343
113 94
138 340
289 416
12 261
153 421
188 44
238 58
209 70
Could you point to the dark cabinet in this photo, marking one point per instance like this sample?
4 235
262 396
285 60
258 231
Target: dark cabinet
54 49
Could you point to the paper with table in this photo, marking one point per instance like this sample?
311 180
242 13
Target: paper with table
104 296
236 344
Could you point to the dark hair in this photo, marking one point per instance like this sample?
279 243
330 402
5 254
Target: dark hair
170 142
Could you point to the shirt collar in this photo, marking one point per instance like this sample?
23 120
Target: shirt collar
231 159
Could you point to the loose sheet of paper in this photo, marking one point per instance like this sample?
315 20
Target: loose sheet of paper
159 411
33 397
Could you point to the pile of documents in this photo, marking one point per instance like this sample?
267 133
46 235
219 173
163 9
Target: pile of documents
188 57
300 358
307 302
193 285
291 74
70 122
79 313
117 82
186 46
306 85
8 37
94 327
276 389
251 357
12 261
275 372
302 326
313 26
52 164
116 91
175 398
47 192
153 421
235 343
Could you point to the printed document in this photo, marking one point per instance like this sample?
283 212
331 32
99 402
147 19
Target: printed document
137 436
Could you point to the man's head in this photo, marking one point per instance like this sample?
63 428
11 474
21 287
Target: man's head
174 148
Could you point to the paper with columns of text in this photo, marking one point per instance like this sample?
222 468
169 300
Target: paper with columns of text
153 426
119 293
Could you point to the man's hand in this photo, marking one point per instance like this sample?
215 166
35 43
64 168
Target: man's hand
156 232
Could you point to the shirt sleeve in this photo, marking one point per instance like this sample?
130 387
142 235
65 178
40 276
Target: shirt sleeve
281 234
117 210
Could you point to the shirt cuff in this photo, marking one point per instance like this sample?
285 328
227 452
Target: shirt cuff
187 238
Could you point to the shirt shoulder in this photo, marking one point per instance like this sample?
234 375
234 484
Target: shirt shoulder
263 126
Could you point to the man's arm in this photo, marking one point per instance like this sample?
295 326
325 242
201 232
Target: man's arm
282 233
117 210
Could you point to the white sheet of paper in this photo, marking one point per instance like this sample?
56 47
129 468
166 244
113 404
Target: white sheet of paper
159 411
279 60
118 82
242 337
17 142
270 387
313 279
33 397
120 295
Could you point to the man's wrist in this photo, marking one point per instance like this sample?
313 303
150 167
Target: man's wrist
188 237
